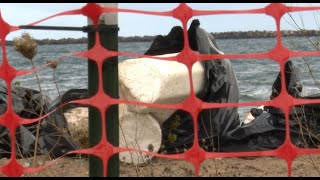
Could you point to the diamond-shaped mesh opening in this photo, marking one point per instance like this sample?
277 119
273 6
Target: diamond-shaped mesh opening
157 167
300 30
244 167
306 166
157 27
257 129
236 35
60 167
5 150
249 80
167 131
308 74
304 126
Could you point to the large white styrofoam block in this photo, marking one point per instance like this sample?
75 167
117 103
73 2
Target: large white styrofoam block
157 81
138 131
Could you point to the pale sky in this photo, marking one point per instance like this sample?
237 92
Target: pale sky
137 24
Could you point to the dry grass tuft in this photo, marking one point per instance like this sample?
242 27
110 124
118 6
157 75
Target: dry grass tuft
26 45
53 64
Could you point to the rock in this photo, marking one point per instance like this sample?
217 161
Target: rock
77 120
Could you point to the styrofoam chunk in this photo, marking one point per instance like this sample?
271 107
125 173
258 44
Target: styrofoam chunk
141 132
157 81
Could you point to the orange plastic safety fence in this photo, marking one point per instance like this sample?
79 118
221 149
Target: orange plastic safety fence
196 155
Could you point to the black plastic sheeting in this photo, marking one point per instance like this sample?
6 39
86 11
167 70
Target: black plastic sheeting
220 87
54 137
219 129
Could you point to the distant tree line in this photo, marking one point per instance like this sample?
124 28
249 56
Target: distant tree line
264 34
218 35
82 40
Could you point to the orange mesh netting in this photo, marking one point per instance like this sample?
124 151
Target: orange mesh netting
196 155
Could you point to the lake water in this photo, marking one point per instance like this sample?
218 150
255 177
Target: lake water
255 76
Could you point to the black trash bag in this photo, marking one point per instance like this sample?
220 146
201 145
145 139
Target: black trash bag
172 43
220 128
220 86
55 132
293 87
54 136
293 84
255 112
26 104
5 146
267 131
261 134
304 122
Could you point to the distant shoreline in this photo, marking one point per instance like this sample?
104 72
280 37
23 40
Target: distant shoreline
219 35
